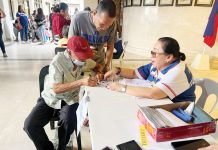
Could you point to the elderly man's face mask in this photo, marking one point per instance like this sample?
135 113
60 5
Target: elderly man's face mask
78 63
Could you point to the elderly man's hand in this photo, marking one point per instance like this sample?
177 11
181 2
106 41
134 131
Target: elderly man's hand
114 86
90 81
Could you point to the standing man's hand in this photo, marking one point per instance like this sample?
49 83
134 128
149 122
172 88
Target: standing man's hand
115 86
89 81
106 68
99 76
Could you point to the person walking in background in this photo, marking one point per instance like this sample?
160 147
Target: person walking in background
76 11
40 21
2 45
63 42
23 21
87 9
50 23
34 14
59 19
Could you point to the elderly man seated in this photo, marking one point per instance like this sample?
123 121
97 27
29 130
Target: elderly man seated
61 91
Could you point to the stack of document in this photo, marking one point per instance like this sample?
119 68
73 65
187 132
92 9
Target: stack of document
162 118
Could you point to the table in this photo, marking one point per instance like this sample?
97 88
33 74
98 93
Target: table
113 119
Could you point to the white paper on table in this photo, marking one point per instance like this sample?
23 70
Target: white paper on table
135 82
103 84
82 111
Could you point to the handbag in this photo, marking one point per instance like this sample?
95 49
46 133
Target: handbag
19 26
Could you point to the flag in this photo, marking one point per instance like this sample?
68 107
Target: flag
210 32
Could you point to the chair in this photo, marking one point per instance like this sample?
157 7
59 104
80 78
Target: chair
59 49
208 87
121 53
43 72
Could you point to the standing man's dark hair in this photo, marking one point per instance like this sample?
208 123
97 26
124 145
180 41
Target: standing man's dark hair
107 5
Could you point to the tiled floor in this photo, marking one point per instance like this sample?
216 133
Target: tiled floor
19 91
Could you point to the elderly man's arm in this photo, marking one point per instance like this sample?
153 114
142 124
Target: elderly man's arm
59 88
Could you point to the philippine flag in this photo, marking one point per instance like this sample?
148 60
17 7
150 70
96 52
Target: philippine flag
212 26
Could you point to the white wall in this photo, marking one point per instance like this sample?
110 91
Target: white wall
91 3
142 26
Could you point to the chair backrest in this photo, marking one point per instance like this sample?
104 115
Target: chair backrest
59 49
42 74
208 87
120 49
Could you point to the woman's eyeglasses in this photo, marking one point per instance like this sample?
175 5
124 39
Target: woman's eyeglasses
154 54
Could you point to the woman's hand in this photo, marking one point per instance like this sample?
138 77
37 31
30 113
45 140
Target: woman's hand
114 86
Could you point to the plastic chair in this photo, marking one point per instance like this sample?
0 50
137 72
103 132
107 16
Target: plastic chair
43 72
59 49
121 49
208 87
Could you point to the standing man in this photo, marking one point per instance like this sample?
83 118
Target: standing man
2 45
99 29
61 92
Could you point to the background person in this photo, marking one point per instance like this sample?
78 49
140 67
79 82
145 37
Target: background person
23 21
2 45
167 75
50 23
40 21
61 91
98 28
59 19
87 9
63 42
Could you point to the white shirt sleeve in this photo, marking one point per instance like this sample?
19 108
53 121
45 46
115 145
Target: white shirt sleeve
174 83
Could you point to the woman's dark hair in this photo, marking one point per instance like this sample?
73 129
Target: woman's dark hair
171 46
20 10
59 7
40 13
107 6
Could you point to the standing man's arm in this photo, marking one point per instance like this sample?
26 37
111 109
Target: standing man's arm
2 13
110 47
109 55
